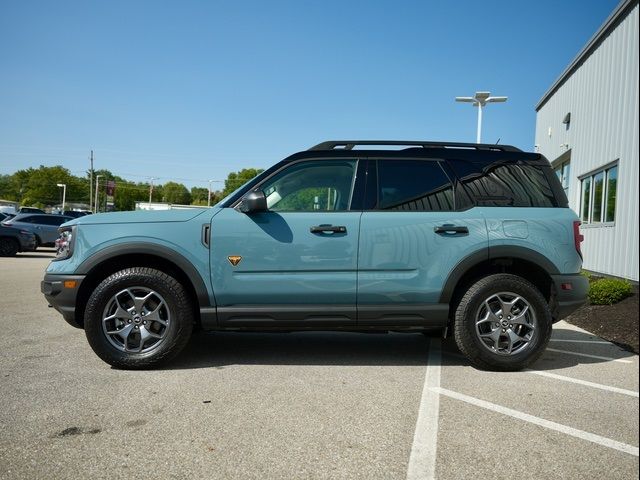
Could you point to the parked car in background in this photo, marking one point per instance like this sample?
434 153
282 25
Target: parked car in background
76 213
44 226
30 210
14 240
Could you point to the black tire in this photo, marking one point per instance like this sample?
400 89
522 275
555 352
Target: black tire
8 247
477 351
175 334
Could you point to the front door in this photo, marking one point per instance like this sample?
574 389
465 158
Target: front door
295 264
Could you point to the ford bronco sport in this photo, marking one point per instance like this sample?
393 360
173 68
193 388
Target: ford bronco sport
472 239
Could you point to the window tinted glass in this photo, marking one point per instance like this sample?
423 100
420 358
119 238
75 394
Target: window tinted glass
310 186
598 186
612 182
505 184
414 185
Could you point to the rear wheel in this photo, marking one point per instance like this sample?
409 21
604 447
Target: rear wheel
138 318
502 323
8 247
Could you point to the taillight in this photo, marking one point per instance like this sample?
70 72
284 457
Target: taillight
577 237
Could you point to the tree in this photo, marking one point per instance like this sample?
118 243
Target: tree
176 193
236 179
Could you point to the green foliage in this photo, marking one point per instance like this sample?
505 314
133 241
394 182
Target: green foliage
236 179
176 193
607 291
38 186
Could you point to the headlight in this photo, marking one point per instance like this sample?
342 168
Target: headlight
64 243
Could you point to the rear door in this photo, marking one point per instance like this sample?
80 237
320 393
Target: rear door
296 263
411 238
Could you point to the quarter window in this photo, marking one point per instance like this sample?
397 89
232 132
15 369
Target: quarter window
413 185
598 196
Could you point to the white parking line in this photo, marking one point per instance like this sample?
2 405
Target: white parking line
591 437
601 342
631 393
422 462
599 357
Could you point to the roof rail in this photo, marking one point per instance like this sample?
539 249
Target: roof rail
349 144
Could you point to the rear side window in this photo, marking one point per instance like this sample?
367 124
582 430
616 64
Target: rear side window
505 184
413 185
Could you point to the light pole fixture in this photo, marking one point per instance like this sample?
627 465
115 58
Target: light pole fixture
97 189
480 99
64 194
151 191
209 197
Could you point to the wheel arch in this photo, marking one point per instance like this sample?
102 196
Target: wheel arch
521 261
117 257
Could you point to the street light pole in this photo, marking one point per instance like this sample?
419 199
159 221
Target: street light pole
97 207
151 191
480 99
209 197
64 194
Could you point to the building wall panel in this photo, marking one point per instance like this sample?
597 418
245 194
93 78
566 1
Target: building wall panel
602 97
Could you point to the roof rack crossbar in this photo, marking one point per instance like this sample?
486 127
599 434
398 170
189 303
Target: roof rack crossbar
349 144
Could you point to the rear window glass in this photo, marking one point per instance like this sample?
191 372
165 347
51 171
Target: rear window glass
505 184
413 185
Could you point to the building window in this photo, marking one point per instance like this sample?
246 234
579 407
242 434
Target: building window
598 196
563 172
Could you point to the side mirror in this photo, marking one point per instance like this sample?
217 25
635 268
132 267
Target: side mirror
254 202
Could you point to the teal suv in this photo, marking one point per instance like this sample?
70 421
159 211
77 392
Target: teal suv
475 240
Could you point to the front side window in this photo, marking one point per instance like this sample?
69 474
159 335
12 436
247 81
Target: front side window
598 196
413 185
319 185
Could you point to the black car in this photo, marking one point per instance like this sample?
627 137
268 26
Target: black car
14 240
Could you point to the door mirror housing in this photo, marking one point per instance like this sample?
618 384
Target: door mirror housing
254 202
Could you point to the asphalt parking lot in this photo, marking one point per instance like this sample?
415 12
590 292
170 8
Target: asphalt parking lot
304 405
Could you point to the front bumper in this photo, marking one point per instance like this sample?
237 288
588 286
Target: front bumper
61 292
570 293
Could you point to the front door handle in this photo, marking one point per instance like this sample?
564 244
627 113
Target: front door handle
328 229
450 229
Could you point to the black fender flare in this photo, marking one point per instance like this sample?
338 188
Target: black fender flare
144 248
498 251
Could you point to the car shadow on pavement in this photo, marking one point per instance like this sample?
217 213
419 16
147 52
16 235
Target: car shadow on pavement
219 349
216 349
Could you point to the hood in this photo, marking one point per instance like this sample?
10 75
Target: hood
140 216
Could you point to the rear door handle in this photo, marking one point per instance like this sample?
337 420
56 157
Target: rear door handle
328 229
451 229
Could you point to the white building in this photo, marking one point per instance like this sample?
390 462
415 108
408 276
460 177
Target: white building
587 126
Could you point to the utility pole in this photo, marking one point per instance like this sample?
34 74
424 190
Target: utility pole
91 183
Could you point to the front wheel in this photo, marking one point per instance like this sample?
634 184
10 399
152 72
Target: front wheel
502 323
138 318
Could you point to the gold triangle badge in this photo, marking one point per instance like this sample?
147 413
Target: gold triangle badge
234 259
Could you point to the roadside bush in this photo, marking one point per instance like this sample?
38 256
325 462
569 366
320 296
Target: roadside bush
608 291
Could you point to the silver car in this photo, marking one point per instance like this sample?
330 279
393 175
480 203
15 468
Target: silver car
43 225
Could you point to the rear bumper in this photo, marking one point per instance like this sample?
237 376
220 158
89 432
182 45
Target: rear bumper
570 294
61 292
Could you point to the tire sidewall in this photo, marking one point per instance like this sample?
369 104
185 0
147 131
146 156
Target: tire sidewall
466 314
177 304
10 245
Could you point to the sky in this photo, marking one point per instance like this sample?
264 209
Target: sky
192 90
